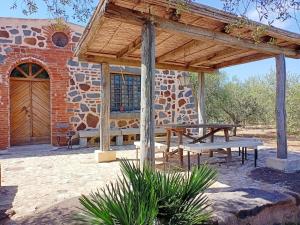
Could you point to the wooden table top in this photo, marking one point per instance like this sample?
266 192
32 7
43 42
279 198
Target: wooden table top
204 125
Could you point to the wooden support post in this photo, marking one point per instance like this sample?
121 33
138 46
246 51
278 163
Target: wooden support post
147 122
280 107
105 109
201 102
104 155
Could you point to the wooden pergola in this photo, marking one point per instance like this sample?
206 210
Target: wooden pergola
152 34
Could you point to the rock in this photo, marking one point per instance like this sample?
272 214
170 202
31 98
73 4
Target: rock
84 87
77 99
79 77
73 93
72 82
5 41
18 40
188 93
41 44
96 83
14 31
162 115
181 102
84 108
93 95
38 30
40 38
122 123
2 58
30 41
162 101
27 32
92 120
167 93
158 107
72 63
4 34
82 126
75 119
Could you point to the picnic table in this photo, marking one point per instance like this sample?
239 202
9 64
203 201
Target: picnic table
180 131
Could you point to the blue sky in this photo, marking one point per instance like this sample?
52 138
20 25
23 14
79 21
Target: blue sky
242 71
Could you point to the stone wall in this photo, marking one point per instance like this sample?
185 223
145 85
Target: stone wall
75 86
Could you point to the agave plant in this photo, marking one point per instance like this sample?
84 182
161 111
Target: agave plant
145 197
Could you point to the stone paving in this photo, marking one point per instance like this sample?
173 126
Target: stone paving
42 183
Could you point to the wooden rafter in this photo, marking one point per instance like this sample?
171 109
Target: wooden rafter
99 58
246 59
136 44
178 51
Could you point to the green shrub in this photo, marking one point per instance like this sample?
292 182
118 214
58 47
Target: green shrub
150 197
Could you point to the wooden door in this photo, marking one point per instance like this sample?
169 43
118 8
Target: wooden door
20 112
30 105
40 112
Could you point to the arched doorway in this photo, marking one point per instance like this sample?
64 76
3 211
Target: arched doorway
29 105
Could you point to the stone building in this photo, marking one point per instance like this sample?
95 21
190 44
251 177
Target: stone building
43 88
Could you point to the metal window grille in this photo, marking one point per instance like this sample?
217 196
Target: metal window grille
125 93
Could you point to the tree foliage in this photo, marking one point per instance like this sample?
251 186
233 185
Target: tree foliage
81 10
251 101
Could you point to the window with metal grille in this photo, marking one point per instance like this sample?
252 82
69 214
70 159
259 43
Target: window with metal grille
125 92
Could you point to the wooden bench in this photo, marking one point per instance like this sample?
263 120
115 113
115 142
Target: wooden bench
160 145
85 134
200 148
117 132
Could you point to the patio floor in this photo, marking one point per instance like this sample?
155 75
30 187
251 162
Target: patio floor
42 184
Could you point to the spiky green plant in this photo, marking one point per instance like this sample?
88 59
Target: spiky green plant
150 197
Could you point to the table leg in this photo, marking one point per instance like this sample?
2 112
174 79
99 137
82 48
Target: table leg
189 161
198 154
168 145
212 137
180 150
226 134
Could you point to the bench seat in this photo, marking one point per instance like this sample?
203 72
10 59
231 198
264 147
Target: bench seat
131 131
117 132
200 148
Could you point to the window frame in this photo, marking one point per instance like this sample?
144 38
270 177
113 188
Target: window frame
122 97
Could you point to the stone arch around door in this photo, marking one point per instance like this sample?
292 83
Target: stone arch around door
29 104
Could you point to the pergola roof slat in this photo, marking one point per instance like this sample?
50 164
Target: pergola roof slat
199 45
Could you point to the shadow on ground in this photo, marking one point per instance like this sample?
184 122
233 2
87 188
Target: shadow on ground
48 150
62 213
7 195
267 175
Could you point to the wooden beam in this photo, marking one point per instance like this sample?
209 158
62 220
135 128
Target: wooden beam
99 58
105 109
147 121
227 57
198 33
201 102
211 13
242 60
178 51
280 107
136 44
